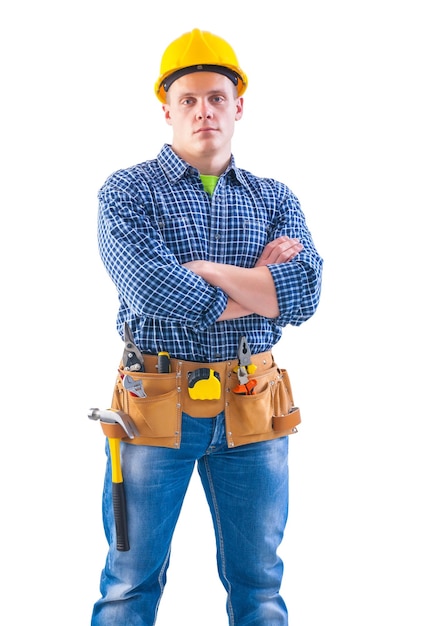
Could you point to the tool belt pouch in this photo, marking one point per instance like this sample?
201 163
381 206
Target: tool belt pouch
267 413
156 416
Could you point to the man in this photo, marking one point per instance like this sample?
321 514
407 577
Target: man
210 263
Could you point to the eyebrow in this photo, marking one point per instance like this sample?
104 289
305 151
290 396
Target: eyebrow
212 92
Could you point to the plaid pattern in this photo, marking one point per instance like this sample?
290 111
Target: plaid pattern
155 216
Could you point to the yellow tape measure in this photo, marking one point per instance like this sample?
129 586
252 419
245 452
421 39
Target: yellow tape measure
204 384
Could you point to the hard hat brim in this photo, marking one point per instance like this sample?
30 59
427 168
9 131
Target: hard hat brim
164 83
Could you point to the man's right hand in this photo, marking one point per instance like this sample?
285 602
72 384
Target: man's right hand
279 250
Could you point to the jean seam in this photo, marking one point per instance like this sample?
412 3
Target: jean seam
161 584
221 542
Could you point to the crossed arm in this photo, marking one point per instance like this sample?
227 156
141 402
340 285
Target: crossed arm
250 290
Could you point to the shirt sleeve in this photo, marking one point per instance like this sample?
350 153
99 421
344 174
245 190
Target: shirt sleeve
146 273
297 282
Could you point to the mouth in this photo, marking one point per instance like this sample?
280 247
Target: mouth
205 129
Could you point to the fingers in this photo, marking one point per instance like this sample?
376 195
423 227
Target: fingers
280 250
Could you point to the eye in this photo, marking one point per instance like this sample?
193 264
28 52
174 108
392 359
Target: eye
217 99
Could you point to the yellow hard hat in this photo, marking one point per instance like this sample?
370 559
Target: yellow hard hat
198 51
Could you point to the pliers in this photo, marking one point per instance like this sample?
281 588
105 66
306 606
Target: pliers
244 368
133 359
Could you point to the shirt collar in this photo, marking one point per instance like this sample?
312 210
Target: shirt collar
175 168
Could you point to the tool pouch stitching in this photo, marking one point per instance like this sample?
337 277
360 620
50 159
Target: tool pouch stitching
158 415
266 414
258 413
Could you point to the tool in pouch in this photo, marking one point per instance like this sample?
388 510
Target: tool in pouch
164 363
244 369
133 359
135 387
110 416
204 384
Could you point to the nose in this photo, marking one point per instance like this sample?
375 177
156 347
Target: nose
204 111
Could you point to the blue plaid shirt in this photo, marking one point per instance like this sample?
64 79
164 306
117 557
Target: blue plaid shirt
155 216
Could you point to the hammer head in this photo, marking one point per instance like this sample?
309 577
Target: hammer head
111 416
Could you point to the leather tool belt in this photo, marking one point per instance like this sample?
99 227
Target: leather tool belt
268 413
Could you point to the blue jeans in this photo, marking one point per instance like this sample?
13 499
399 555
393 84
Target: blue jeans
247 491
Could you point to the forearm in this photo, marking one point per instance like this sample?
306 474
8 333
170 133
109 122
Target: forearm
251 289
233 310
155 285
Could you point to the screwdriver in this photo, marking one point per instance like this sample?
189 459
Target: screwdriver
164 363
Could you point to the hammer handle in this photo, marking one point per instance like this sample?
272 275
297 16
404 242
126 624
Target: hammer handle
120 520
118 496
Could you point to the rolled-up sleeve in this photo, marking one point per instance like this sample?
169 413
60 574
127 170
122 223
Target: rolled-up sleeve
297 282
298 289
147 275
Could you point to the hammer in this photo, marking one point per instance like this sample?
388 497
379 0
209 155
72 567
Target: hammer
110 416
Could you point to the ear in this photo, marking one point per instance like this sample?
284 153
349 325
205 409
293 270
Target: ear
239 108
167 114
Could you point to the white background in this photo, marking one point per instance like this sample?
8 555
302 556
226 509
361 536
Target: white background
337 109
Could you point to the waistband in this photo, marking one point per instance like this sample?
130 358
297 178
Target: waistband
180 369
263 361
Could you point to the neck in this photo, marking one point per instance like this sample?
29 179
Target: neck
211 165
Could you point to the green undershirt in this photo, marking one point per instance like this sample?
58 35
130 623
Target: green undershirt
209 182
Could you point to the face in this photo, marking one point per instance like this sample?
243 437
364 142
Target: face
202 109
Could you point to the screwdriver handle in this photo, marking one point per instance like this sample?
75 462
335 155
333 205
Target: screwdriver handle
164 363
